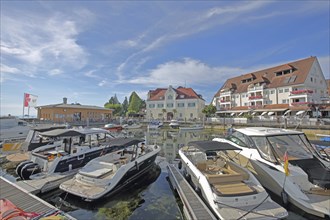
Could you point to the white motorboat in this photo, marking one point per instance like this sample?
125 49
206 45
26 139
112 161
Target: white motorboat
174 124
155 125
132 125
76 149
109 174
230 191
263 151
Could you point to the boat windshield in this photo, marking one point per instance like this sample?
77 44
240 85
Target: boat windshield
271 147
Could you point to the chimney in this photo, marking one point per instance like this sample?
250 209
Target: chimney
65 100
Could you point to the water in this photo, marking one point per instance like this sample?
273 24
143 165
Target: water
151 197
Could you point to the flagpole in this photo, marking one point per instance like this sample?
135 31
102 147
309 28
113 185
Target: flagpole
23 103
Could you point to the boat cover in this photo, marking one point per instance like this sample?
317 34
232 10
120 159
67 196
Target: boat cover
61 133
212 146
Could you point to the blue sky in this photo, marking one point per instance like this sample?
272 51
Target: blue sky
88 51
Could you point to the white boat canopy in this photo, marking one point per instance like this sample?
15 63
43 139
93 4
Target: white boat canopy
271 113
253 113
287 112
263 113
240 114
232 114
300 112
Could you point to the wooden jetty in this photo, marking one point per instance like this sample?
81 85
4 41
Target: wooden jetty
25 200
193 206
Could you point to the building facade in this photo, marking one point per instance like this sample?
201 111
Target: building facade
180 104
295 86
64 112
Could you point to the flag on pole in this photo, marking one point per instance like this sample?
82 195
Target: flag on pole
286 164
30 100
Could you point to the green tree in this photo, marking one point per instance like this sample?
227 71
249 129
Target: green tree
124 107
135 103
117 108
209 110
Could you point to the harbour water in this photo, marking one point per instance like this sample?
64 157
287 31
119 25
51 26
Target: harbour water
149 198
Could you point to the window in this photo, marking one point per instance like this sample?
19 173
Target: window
286 90
311 79
169 105
160 105
272 91
170 97
151 105
191 104
180 105
266 92
280 91
191 115
284 101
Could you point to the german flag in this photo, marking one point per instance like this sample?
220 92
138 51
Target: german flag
286 164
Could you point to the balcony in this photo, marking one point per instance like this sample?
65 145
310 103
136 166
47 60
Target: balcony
301 91
225 93
256 88
223 101
255 97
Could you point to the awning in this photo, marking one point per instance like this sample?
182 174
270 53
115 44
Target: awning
263 113
287 112
270 113
300 112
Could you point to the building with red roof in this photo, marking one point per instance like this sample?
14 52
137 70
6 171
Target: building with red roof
170 103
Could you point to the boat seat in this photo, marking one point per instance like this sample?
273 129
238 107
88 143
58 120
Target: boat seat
201 166
224 178
233 188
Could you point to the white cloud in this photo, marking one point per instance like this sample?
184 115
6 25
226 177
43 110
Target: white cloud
7 69
102 83
55 72
39 42
178 73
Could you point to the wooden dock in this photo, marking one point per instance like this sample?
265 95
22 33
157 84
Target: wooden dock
193 206
25 200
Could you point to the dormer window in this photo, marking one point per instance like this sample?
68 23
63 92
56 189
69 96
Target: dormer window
170 97
161 97
287 69
181 96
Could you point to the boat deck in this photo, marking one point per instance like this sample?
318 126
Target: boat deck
24 200
195 207
45 184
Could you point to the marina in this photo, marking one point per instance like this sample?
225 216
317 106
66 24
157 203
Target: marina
155 187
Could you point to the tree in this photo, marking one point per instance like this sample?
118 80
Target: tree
135 103
124 107
209 110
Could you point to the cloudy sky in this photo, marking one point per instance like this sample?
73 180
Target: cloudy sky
89 51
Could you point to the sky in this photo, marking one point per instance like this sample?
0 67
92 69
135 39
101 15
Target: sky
88 51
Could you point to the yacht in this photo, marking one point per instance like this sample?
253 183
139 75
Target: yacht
230 191
74 150
305 183
195 127
174 124
155 125
107 175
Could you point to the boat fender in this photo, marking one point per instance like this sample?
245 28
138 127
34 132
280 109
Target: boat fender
20 166
285 198
70 167
137 165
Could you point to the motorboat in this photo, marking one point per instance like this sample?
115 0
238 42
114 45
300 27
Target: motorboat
155 125
230 190
107 175
132 125
113 127
13 128
174 124
75 150
264 151
195 127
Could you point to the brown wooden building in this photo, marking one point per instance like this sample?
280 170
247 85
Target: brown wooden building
64 112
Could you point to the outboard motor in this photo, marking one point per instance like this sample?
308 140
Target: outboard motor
29 169
20 166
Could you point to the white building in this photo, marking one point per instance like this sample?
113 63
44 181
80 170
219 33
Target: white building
296 86
181 104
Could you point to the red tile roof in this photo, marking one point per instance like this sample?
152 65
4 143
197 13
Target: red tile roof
159 93
268 76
